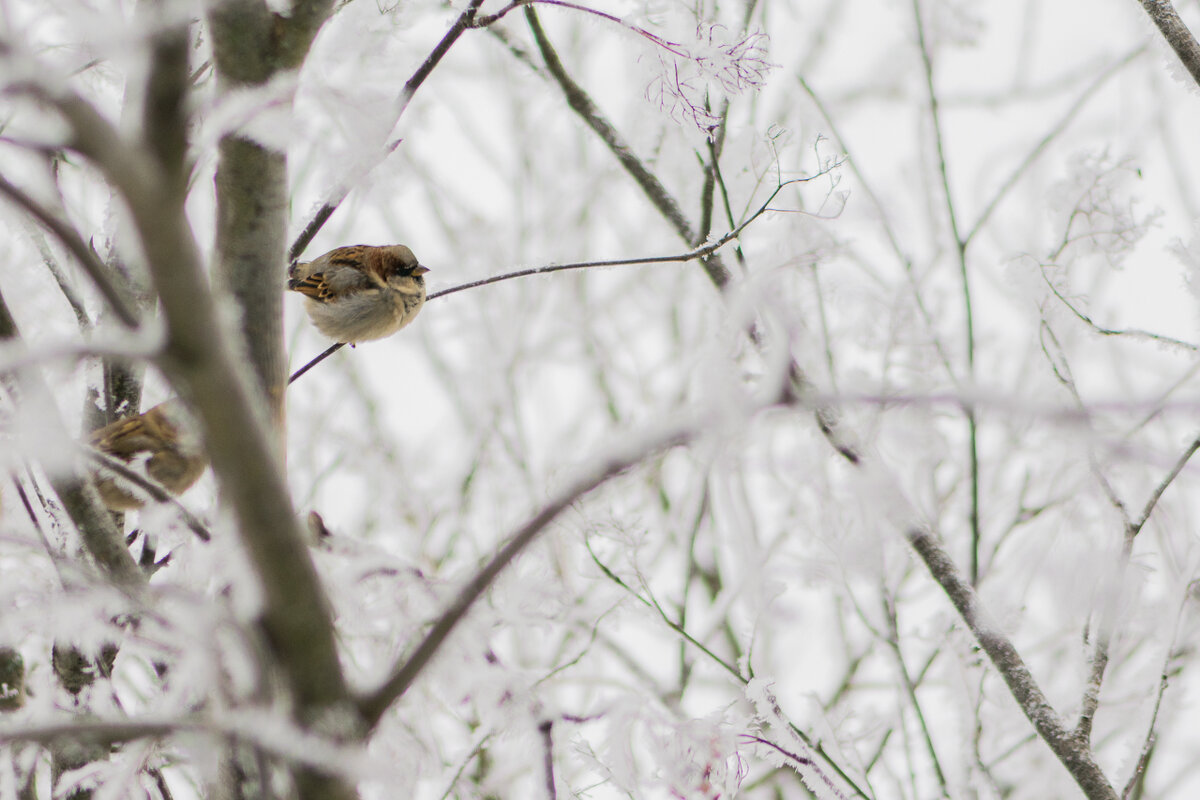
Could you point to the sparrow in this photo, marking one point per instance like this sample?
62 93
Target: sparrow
358 293
164 437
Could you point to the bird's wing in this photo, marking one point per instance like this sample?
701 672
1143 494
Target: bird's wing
315 286
124 438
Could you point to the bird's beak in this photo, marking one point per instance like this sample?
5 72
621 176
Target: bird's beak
420 270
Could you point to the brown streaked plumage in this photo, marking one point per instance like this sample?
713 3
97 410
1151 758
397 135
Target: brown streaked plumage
164 437
359 293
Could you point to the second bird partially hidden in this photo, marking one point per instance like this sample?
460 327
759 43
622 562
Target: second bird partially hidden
359 293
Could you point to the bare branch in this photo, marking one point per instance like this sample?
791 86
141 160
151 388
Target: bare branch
799 760
666 205
700 252
296 746
892 638
658 195
324 355
1138 772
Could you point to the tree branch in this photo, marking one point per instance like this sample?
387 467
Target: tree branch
69 238
582 104
1075 755
461 24
1176 33
151 487
376 703
960 247
79 497
699 252
200 362
661 199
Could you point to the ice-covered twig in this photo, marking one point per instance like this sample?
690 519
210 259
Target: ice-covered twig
1074 754
151 487
374 704
70 239
464 21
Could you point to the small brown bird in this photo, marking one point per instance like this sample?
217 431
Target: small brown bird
359 293
165 438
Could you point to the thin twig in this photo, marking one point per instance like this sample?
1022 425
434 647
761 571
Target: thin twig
803 761
1136 333
545 729
1100 653
82 318
151 487
71 240
460 25
581 103
670 623
1049 138
373 705
910 688
692 255
1073 754
1139 768
732 669
326 354
889 230
960 245
1180 463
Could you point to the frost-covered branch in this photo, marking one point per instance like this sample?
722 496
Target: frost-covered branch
655 191
662 200
100 536
153 488
69 238
892 638
705 251
280 740
461 24
376 703
734 671
1176 33
1075 755
960 248
200 362
1133 333
1050 137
